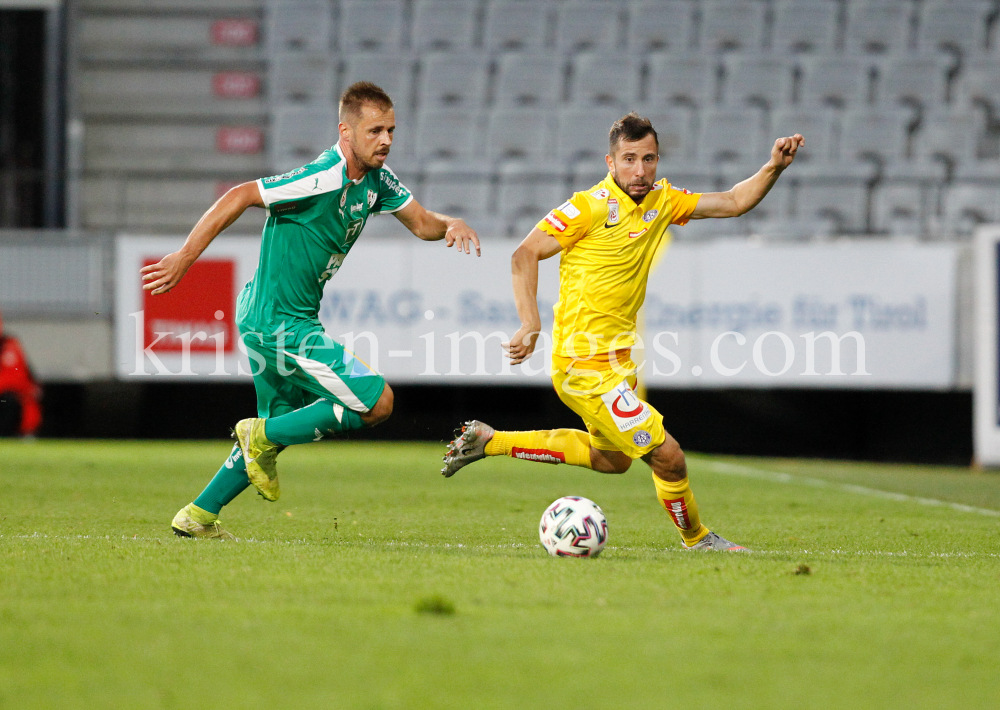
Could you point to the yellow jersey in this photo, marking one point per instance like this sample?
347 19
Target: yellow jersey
609 243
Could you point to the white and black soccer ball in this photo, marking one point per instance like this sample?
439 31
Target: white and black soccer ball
573 527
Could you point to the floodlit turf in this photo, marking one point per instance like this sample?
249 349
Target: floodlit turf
375 583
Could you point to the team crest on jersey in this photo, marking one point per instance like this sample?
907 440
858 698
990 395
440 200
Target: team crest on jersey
343 199
627 410
650 216
612 211
372 197
600 194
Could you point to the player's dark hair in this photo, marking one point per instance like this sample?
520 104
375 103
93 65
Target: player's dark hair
359 94
632 127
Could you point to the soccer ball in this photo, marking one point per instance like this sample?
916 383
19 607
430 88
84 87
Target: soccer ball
573 527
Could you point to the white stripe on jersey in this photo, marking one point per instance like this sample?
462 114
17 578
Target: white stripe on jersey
408 201
310 184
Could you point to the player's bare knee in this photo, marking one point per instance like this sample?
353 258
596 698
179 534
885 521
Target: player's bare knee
667 461
382 409
609 461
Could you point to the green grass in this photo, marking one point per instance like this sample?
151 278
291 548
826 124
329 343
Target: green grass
376 584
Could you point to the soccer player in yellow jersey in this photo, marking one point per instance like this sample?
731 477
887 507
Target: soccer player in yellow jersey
607 237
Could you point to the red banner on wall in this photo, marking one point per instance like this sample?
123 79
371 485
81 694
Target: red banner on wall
197 310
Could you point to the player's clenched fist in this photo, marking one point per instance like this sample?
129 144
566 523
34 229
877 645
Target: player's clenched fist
784 150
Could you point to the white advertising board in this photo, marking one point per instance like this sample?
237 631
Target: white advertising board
720 314
986 408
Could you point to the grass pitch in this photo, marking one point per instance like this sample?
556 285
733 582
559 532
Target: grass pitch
376 584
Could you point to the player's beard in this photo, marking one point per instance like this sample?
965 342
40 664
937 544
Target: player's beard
641 183
373 163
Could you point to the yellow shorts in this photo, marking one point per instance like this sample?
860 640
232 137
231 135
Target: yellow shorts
615 416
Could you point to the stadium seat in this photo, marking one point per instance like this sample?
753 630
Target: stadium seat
674 132
808 26
730 136
582 133
518 134
878 27
979 83
371 25
879 134
298 26
686 80
443 25
900 209
949 136
527 79
461 189
837 81
815 126
155 147
299 78
456 80
843 206
171 205
515 25
956 27
299 134
526 191
728 25
914 80
448 135
587 26
604 79
763 81
966 206
667 25
393 73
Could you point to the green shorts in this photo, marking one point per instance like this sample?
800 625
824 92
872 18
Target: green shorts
305 367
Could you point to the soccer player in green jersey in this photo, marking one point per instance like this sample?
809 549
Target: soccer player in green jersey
308 385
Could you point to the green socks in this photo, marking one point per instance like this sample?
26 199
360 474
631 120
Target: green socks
311 423
229 482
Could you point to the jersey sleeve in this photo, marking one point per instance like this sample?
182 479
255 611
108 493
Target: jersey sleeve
568 222
308 181
682 204
392 194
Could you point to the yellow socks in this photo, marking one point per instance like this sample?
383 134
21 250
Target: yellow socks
570 446
679 502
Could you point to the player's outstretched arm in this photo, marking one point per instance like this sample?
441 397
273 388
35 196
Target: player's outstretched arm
746 195
431 226
524 273
168 272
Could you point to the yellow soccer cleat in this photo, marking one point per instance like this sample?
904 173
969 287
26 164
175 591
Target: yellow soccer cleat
260 455
192 521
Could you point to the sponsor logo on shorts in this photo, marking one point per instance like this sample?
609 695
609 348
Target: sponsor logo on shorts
679 512
556 223
569 210
626 409
633 235
650 216
612 212
642 438
600 194
543 455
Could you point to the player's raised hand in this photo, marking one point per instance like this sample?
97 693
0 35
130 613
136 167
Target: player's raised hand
784 150
463 235
165 274
522 345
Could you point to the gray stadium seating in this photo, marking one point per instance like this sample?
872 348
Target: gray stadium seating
587 26
529 79
954 27
582 133
462 189
804 26
878 134
443 25
301 78
300 134
370 25
515 25
448 135
687 80
757 80
816 126
527 190
730 136
518 134
841 81
658 26
878 26
394 73
900 209
456 80
604 79
299 26
728 25
918 80
837 207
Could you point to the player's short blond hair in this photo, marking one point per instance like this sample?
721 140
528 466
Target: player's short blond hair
632 127
357 95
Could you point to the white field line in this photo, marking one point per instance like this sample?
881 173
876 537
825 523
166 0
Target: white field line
369 542
733 469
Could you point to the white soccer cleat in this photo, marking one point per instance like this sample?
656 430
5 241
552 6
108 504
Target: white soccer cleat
469 446
716 542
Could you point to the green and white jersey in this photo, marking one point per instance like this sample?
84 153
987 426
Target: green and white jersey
314 216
